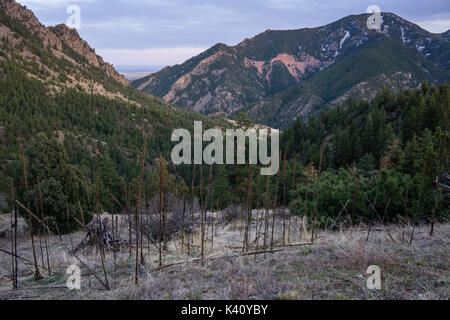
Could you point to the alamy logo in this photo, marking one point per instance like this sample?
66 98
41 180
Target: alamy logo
374 279
374 22
74 280
214 152
74 20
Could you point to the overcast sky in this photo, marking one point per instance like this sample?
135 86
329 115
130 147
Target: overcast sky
167 32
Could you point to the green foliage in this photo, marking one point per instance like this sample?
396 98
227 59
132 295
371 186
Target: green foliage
98 136
379 62
394 195
377 138
243 121
48 168
222 187
361 133
72 137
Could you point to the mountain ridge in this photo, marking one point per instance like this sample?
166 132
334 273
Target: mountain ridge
227 79
361 74
58 36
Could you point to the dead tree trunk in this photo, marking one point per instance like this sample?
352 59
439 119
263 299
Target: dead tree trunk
274 208
316 199
139 204
202 235
161 214
37 273
101 245
294 174
249 211
284 197
424 170
211 186
437 191
266 215
192 208
46 235
14 237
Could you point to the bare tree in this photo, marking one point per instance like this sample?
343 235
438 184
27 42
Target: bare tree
37 273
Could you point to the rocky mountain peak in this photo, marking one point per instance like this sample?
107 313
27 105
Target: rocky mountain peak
57 37
289 63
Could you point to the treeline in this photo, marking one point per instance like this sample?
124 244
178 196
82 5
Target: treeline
363 161
382 156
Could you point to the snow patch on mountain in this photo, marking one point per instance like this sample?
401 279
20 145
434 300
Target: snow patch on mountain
404 39
346 37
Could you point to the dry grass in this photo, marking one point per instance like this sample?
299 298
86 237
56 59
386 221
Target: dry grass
333 268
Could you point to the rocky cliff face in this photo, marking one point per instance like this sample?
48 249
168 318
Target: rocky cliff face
74 41
57 37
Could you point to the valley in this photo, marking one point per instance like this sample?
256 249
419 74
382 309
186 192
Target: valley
360 176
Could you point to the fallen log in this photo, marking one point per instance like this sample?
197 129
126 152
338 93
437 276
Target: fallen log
98 235
200 259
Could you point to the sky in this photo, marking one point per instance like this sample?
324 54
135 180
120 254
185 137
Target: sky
167 32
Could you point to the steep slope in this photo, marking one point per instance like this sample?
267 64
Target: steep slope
227 79
446 35
59 41
360 74
52 82
209 83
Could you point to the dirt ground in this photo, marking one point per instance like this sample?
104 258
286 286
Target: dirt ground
334 267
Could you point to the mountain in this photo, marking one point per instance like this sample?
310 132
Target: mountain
53 82
59 40
446 34
358 75
257 72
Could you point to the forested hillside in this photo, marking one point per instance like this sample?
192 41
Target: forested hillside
388 151
381 62
72 115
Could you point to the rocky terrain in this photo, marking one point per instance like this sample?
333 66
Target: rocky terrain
58 54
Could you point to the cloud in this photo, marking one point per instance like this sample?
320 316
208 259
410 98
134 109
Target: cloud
153 3
149 57
123 23
50 3
437 23
178 29
284 4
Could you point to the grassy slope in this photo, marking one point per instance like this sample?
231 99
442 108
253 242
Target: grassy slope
334 268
